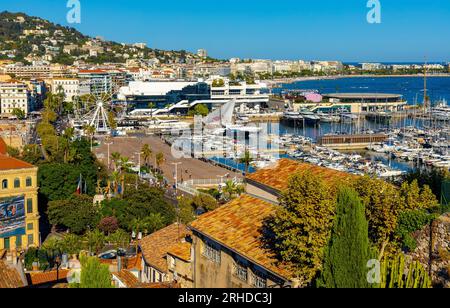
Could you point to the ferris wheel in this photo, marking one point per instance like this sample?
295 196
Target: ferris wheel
93 110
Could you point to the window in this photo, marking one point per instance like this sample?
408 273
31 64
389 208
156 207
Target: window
29 206
30 239
7 243
5 184
173 262
211 253
240 271
258 280
29 182
16 183
30 226
19 241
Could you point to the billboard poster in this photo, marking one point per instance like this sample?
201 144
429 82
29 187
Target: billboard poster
12 216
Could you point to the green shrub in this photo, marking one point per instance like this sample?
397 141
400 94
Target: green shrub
409 222
31 256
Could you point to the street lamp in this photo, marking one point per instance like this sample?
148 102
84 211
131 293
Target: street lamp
139 167
109 164
176 175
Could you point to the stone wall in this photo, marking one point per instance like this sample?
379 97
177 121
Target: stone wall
433 250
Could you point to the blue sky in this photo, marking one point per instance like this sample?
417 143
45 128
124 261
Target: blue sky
284 29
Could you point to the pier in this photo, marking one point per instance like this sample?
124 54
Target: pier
351 142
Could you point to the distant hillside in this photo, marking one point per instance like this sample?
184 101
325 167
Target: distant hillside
24 37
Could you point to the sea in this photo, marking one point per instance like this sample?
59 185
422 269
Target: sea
412 89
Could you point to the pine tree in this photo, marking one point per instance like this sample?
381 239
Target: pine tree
348 250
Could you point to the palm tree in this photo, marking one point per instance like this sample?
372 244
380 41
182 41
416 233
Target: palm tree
151 106
124 164
246 159
115 157
115 178
90 131
159 159
231 190
147 152
68 135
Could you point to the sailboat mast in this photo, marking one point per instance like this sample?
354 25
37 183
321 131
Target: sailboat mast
425 96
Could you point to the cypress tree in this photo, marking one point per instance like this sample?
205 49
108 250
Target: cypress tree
348 250
94 275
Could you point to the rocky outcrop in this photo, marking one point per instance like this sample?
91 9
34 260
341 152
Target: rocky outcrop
433 250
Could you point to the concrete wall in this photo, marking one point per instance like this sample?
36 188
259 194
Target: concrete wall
209 274
183 271
256 191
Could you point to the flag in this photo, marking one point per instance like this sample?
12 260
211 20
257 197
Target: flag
79 187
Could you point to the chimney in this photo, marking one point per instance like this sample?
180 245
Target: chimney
119 263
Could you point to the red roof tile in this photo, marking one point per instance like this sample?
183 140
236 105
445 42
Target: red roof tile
40 278
8 163
277 177
127 278
10 276
155 246
238 226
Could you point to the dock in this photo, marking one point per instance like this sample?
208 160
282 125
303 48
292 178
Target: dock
350 142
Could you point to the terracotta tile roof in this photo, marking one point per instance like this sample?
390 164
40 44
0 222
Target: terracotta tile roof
10 276
3 147
155 246
181 250
39 278
237 225
127 278
127 263
97 71
277 177
9 163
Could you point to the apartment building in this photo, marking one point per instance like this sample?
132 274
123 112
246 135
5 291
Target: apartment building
37 71
15 95
19 216
166 256
29 71
99 81
71 87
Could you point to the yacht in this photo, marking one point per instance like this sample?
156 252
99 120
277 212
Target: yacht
309 116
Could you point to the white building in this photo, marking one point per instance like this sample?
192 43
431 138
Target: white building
71 87
373 66
206 70
202 53
214 92
252 94
140 45
15 95
327 66
255 67
283 66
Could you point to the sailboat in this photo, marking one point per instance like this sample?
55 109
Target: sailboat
221 120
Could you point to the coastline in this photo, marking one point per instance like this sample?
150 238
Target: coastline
279 82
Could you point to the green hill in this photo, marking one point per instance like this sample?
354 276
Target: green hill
49 40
